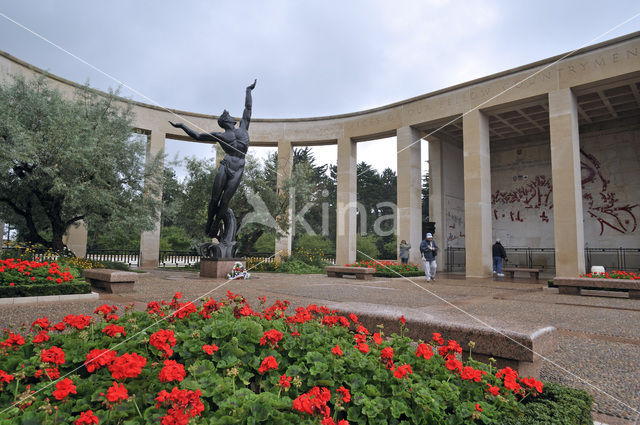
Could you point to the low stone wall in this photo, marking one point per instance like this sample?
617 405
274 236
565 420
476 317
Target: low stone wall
521 346
364 273
573 285
112 281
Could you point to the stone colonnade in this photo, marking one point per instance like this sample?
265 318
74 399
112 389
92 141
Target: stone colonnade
552 82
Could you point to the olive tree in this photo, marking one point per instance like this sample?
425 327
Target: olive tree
63 160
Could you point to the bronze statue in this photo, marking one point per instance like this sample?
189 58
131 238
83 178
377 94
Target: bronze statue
234 141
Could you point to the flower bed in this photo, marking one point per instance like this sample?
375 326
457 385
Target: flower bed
386 268
25 278
224 362
614 274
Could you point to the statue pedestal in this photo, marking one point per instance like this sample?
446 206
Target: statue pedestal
218 268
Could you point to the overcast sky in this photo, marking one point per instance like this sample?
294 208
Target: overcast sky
311 58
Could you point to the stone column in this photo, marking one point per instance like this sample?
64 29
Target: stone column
477 194
567 183
76 238
285 168
409 189
346 202
436 199
150 240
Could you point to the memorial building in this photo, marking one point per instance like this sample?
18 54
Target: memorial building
545 156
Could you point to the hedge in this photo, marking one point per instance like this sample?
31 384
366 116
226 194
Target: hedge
37 290
557 405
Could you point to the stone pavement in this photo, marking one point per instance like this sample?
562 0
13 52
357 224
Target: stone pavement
598 337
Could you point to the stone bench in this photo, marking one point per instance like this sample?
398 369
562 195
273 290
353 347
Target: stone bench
521 346
573 285
534 273
112 281
363 273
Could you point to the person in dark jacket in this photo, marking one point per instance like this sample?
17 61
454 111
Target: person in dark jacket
429 250
499 254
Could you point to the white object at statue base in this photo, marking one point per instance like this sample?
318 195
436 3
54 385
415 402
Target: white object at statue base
238 272
597 269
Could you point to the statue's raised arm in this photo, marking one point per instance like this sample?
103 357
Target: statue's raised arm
246 115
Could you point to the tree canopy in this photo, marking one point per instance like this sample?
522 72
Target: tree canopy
65 160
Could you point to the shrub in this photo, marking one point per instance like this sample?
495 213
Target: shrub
80 287
224 362
299 267
316 242
386 268
367 247
116 265
313 256
557 405
258 264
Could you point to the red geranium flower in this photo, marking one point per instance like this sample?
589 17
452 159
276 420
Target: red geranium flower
363 347
210 349
53 355
184 404
336 350
114 330
285 381
346 396
272 337
58 327
87 418
64 388
362 330
470 374
79 322
98 358
314 401
268 363
532 383
424 350
42 336
452 364
437 338
5 377
510 377
493 390
163 340
402 371
172 371
13 339
42 323
386 353
127 366
116 392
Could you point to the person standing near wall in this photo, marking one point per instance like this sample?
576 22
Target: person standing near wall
499 254
404 251
429 250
